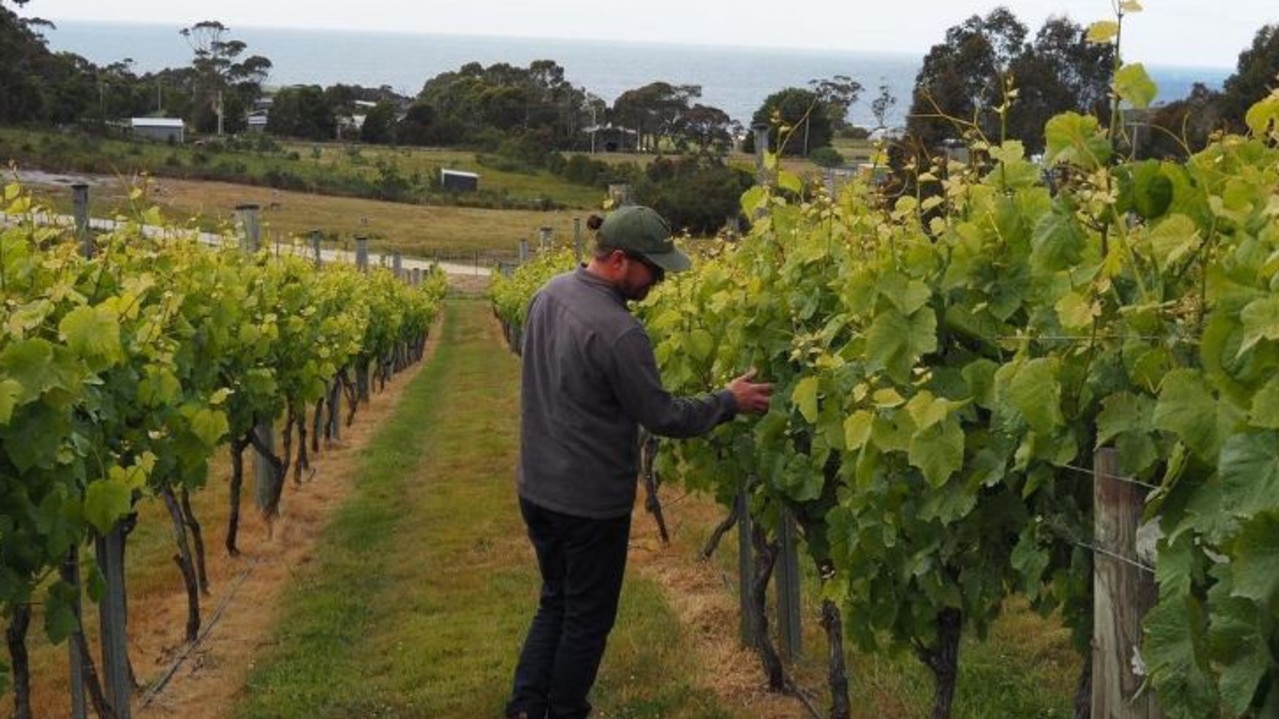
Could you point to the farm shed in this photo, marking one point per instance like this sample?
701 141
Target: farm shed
164 129
459 181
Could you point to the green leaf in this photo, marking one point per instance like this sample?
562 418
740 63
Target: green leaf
1263 116
1029 560
857 428
1249 467
907 295
1256 562
10 389
60 617
1176 569
106 502
93 332
1260 321
790 181
1036 392
1173 648
29 364
1186 408
209 425
938 451
700 344
1146 189
753 200
1265 405
1076 139
1123 412
1133 84
895 342
1173 239
1076 311
1057 243
805 398
1102 32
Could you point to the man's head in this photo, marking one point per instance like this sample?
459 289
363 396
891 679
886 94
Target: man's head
633 243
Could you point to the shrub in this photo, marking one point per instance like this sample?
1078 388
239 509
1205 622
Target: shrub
826 157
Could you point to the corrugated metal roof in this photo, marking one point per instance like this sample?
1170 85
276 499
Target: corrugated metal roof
156 122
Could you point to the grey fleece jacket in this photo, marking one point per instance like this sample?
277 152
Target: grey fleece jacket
589 380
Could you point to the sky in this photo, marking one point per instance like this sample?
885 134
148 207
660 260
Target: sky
1192 33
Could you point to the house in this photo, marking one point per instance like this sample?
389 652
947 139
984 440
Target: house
459 181
611 138
257 121
161 129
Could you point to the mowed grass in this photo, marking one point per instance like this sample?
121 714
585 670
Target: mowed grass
424 583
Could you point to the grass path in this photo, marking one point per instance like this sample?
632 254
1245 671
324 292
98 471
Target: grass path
423 583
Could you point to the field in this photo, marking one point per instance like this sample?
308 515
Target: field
398 584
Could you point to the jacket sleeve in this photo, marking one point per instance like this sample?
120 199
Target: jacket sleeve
639 389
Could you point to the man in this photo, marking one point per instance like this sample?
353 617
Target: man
589 381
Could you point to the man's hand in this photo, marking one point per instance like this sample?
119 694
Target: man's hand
751 397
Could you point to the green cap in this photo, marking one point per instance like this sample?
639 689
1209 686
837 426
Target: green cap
639 229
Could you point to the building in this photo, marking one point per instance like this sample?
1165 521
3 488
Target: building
256 121
160 129
459 181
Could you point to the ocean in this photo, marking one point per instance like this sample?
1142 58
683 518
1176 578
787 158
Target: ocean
734 79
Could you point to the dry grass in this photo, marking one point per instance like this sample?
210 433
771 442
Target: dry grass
415 230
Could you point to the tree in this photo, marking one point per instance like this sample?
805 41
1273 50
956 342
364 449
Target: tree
837 94
21 49
798 121
881 104
696 193
301 111
1061 71
708 127
509 100
1254 77
1183 127
225 87
655 111
379 124
962 80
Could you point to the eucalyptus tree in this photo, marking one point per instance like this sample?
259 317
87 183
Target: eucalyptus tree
225 86
1254 77
963 79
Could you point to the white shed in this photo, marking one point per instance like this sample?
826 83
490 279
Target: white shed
164 129
459 180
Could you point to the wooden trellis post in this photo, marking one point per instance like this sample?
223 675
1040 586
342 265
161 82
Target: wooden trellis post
1123 591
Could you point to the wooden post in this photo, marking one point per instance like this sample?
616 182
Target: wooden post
252 242
745 569
761 149
80 198
578 248
397 264
523 251
362 253
544 237
113 616
1123 591
788 603
316 236
71 575
335 409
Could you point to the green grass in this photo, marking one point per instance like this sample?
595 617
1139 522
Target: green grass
424 582
343 169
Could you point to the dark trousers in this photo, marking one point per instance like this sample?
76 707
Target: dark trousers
582 562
